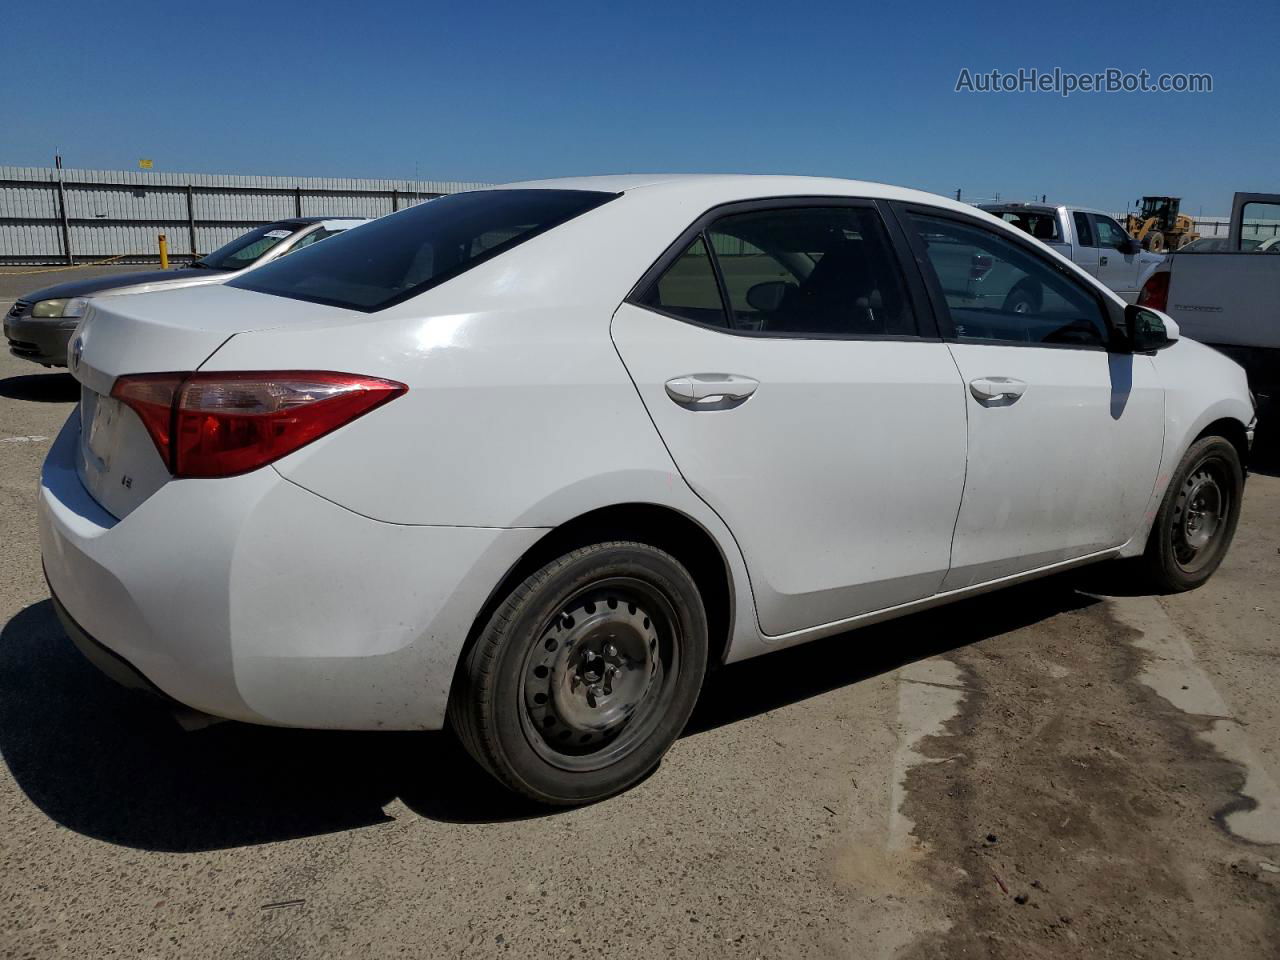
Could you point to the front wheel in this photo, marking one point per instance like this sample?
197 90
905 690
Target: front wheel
585 674
1197 517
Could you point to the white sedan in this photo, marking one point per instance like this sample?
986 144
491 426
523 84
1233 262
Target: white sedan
528 461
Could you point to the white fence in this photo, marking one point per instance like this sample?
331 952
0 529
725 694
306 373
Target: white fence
75 216
1213 226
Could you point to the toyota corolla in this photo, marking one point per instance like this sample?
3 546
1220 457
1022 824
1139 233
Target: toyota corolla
528 461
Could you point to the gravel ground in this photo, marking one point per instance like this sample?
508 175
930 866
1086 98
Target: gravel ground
1058 770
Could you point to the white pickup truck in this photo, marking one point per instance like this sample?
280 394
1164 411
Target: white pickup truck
1091 239
1229 298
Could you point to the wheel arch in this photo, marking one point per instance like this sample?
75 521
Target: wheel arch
657 525
1229 428
1223 421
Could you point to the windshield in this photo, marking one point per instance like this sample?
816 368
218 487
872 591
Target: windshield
396 257
242 251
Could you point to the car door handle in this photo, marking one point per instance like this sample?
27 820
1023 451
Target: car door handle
996 391
1102 261
710 388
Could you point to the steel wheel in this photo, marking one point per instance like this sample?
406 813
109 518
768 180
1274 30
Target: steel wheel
1200 514
597 677
1197 517
585 674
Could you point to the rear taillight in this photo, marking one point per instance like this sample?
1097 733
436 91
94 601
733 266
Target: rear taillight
222 424
1155 292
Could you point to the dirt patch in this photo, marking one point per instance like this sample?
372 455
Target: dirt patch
1085 810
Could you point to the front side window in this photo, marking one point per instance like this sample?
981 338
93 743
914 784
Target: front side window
997 290
1110 233
811 271
396 257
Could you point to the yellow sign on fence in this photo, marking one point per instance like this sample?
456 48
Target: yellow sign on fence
144 164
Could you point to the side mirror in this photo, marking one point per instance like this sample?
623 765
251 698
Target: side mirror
1148 329
1131 246
767 297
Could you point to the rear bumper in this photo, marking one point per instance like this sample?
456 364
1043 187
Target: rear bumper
253 599
40 341
110 663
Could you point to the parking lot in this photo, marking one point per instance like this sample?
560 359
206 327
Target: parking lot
1057 770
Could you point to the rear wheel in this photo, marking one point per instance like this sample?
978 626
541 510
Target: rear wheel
1197 517
585 674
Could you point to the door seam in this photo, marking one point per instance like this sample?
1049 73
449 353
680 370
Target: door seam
964 483
676 466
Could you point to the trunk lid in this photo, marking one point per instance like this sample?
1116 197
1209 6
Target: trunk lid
161 332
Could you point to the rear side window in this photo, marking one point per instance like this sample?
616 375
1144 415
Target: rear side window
790 272
812 271
397 257
1084 230
688 288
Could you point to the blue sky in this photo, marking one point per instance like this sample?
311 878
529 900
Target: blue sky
507 91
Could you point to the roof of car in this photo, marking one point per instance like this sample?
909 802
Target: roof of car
1010 205
727 187
301 220
1036 206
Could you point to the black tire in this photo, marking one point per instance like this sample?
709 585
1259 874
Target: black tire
585 674
1197 517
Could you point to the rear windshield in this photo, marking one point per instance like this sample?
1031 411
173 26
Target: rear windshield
396 257
1042 226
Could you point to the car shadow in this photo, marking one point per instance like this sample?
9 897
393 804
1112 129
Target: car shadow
1120 372
755 686
113 765
41 388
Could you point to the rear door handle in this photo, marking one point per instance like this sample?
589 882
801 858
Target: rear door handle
710 388
997 391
